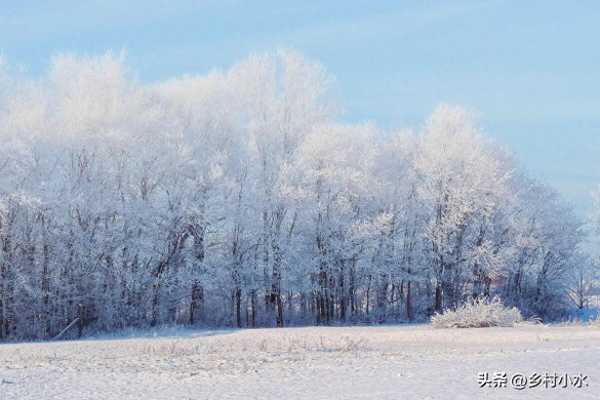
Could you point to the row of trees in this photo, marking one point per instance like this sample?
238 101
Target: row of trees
236 199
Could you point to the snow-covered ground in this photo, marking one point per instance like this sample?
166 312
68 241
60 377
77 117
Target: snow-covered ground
389 362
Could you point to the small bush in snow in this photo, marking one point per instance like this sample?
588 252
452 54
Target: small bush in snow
478 313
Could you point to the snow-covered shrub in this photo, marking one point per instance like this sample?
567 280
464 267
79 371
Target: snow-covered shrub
478 313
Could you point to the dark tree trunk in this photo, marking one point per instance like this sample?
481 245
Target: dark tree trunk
342 295
237 300
253 308
196 302
409 310
279 311
368 295
352 290
381 295
4 302
276 281
438 303
45 293
155 304
82 319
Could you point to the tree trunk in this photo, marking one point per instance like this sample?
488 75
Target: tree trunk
155 304
368 295
196 302
253 308
381 296
438 303
237 298
352 289
45 293
3 302
409 310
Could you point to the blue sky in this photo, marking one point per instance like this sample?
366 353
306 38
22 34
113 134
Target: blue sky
531 70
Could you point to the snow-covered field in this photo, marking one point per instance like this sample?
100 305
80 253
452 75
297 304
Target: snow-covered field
389 362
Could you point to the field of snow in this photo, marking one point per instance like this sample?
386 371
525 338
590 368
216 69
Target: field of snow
389 362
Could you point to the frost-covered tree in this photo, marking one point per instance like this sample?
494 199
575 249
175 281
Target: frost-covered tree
462 186
236 198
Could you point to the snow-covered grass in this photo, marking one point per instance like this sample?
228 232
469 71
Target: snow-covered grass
478 313
385 362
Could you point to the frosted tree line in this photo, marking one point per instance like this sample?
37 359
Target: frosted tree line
237 198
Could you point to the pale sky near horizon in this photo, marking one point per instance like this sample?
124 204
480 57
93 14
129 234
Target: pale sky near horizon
530 70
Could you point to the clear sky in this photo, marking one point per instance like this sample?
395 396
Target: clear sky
530 69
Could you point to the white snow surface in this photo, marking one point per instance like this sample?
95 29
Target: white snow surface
385 362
